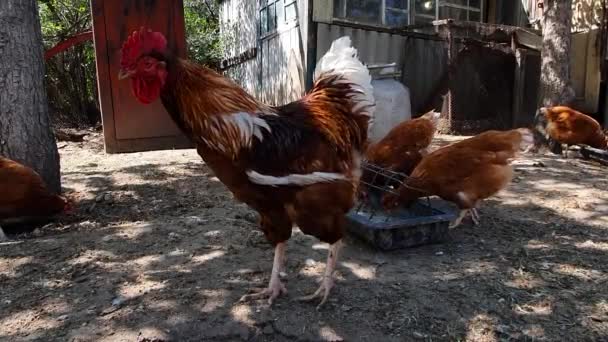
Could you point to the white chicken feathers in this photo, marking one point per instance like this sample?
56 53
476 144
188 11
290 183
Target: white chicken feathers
342 59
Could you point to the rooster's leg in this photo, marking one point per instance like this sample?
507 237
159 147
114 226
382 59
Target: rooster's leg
328 278
475 216
458 220
275 286
2 236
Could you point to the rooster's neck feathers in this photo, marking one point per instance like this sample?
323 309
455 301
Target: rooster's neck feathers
214 110
218 113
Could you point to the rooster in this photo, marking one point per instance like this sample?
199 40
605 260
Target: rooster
479 167
25 198
298 163
570 127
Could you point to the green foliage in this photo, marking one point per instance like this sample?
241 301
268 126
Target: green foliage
202 31
70 76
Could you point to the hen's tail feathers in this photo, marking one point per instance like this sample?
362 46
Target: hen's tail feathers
294 179
341 59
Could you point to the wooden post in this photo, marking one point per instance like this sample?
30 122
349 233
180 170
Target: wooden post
450 71
129 126
518 86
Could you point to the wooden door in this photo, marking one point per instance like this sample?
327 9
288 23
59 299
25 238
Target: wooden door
130 126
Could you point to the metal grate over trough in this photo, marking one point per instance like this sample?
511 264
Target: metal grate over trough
420 224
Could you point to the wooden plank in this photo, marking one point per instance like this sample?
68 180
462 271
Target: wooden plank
103 79
585 71
151 144
592 73
129 125
132 119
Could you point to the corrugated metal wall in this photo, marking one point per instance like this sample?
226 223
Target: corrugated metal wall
374 47
423 61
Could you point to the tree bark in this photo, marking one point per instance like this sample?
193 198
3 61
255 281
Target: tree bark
25 132
555 54
555 83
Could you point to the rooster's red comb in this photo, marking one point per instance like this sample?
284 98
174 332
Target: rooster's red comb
141 42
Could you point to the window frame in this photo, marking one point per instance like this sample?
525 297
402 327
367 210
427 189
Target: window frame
407 11
383 9
280 16
411 16
468 8
285 5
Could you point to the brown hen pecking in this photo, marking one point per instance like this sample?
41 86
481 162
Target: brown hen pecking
465 172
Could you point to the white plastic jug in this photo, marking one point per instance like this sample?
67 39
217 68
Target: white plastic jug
392 107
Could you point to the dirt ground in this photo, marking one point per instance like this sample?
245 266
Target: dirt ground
160 251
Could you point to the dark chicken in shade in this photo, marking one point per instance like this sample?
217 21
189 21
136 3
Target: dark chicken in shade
24 198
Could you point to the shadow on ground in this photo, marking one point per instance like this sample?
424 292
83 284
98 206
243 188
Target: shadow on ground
173 252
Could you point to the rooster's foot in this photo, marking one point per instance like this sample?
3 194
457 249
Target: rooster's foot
273 291
328 279
323 292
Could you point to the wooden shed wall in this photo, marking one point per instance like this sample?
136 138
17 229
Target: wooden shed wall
239 32
585 70
277 74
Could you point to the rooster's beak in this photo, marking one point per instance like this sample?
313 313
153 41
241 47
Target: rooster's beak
122 74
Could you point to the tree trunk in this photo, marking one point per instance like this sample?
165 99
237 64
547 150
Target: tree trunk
25 132
555 54
556 87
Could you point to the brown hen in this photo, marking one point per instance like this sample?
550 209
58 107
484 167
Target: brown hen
570 127
25 197
401 149
465 172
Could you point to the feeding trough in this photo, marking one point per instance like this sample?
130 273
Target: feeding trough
422 223
596 154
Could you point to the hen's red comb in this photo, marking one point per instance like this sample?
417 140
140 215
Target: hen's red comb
141 42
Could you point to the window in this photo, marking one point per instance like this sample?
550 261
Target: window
291 10
469 10
425 11
268 16
465 10
274 13
395 13
376 12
